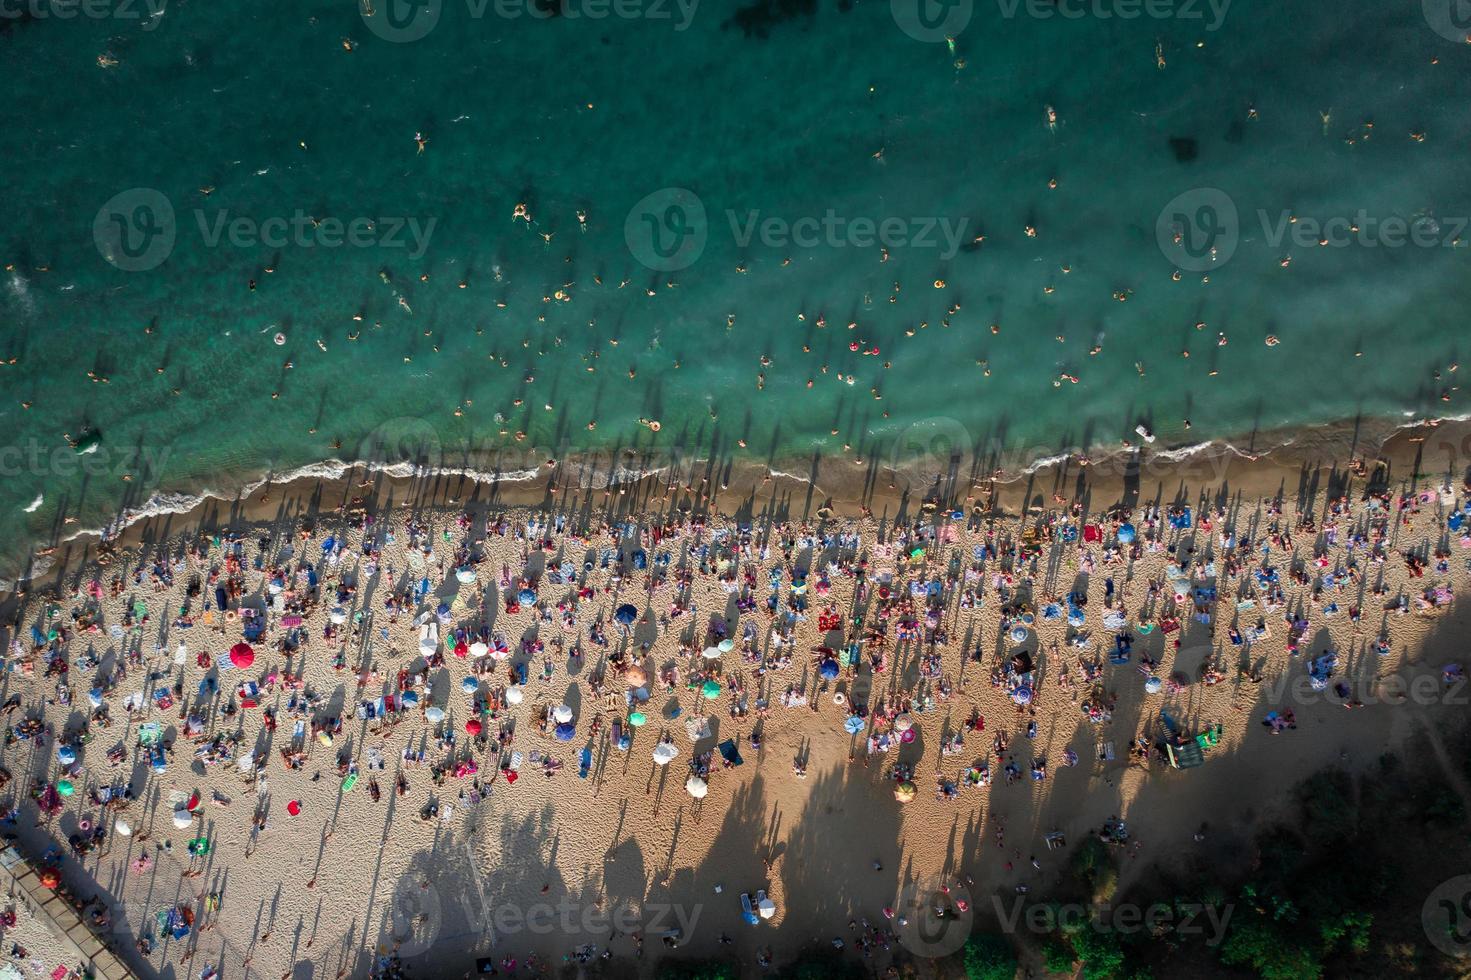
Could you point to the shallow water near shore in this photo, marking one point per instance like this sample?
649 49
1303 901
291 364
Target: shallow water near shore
237 115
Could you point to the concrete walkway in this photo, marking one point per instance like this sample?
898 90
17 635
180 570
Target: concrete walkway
74 935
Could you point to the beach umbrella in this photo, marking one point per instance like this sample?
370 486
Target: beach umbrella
434 714
828 669
183 818
461 649
242 656
410 699
428 644
499 654
905 791
514 694
49 877
473 726
1126 534
726 645
664 753
65 788
626 614
478 649
903 723
853 725
636 677
1153 685
637 719
565 732
766 907
465 576
66 755
697 787
1022 695
338 615
562 713
710 689
294 808
526 597
710 653
697 727
122 828
469 685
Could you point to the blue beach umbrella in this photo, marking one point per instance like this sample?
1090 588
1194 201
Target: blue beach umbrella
410 699
626 614
1126 534
828 669
469 685
853 725
527 596
66 755
566 731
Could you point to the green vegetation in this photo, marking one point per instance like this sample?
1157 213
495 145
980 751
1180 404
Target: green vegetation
989 957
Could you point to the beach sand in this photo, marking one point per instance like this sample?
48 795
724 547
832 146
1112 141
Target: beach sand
553 865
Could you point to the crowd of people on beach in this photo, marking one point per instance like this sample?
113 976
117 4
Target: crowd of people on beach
449 633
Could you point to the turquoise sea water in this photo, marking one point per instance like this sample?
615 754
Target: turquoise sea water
784 110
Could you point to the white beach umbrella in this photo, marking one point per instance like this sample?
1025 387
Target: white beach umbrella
434 714
903 723
664 753
514 694
479 649
183 818
711 653
767 908
697 727
562 714
697 787
465 575
338 615
121 826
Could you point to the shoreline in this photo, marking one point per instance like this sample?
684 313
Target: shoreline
846 487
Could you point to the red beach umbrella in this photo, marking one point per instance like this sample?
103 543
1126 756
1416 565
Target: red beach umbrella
242 656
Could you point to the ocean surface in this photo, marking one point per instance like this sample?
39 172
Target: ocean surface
470 221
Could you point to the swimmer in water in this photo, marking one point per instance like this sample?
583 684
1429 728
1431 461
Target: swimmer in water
421 141
280 339
1051 119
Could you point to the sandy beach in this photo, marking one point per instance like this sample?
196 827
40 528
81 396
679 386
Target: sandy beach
372 787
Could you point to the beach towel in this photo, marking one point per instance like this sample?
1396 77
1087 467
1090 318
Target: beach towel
729 753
